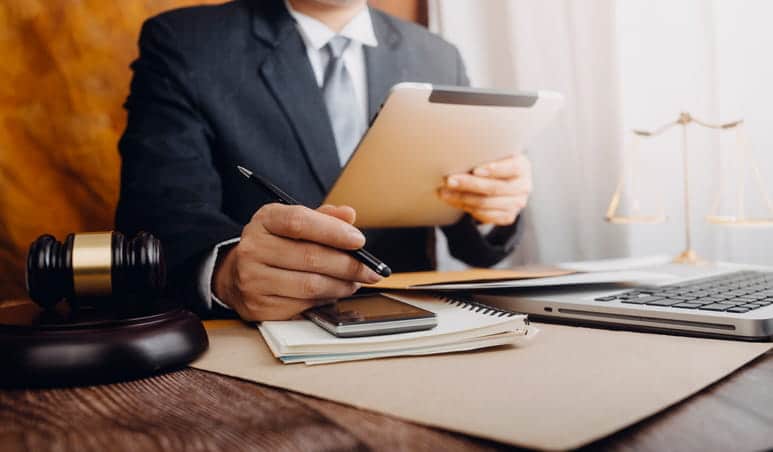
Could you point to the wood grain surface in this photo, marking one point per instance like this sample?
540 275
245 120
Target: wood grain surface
193 410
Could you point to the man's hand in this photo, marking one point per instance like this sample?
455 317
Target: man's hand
493 193
290 259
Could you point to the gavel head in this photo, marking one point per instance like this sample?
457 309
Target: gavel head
94 265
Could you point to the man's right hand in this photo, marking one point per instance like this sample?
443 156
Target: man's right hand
290 259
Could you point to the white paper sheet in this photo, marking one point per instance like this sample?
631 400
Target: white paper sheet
609 277
620 264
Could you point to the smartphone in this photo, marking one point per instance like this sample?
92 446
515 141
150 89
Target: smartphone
371 315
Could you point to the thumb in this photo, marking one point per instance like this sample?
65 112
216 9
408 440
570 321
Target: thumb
344 213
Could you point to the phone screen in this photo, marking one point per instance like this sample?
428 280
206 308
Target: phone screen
370 308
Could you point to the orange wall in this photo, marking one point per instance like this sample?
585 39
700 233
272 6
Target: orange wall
413 10
64 77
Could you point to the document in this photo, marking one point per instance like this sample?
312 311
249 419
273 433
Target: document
479 279
568 387
414 280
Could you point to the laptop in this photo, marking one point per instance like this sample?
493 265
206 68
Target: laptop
726 303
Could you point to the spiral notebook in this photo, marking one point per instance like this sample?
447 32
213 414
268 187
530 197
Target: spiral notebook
462 325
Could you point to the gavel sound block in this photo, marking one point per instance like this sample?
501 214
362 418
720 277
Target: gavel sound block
100 314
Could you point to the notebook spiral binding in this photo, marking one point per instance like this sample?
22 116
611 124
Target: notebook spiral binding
474 306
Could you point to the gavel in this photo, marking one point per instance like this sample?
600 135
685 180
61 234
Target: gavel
100 267
116 323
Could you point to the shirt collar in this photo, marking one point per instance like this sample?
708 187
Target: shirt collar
316 34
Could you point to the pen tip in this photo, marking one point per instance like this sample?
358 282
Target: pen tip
243 170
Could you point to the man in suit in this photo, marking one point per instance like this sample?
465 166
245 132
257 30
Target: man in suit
285 88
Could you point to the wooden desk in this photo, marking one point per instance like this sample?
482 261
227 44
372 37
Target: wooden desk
195 410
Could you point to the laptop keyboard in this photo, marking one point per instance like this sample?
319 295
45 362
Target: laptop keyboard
736 292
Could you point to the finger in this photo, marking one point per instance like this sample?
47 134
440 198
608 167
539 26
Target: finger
516 166
468 200
492 216
495 217
508 215
304 285
505 168
522 201
471 201
272 307
344 213
298 222
310 257
487 186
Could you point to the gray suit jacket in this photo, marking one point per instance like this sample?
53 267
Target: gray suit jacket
217 86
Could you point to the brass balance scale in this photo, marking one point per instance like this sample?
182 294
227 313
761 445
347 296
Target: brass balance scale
735 216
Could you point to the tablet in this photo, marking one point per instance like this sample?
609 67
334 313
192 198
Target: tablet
424 132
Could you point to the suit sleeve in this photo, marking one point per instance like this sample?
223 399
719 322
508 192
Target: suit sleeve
465 241
169 185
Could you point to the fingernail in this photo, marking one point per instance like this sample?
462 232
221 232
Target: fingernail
374 277
452 182
356 235
480 171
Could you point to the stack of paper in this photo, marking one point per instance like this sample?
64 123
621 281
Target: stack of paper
461 326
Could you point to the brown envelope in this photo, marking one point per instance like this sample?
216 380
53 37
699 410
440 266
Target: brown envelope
569 387
473 275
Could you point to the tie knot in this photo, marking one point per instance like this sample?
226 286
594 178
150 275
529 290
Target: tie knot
337 45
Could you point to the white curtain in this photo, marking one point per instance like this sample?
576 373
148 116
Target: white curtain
710 58
564 46
622 65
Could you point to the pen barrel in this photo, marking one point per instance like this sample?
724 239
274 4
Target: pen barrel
371 262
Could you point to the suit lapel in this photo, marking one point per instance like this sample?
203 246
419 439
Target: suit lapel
290 78
288 74
382 63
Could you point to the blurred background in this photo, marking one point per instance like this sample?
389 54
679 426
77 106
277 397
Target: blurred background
620 65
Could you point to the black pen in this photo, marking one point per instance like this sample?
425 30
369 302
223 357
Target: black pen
361 254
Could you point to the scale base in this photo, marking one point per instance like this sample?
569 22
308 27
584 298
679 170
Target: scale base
689 257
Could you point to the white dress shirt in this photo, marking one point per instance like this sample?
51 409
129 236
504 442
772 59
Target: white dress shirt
315 35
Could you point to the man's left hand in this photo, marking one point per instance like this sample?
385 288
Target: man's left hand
492 193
